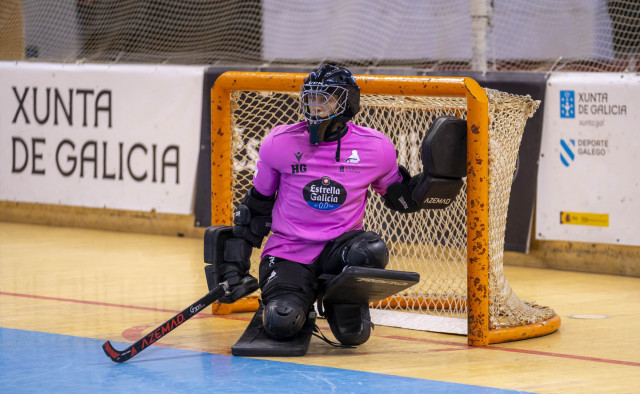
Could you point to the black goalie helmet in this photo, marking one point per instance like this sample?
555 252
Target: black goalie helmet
328 96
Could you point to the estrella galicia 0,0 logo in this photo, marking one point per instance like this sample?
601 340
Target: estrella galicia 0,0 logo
324 194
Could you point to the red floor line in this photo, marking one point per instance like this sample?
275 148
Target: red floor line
524 351
491 347
570 356
201 315
144 308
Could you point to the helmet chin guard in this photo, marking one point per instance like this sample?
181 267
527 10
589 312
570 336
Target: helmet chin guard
317 131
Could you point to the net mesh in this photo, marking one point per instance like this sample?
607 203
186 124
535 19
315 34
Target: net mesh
430 242
514 35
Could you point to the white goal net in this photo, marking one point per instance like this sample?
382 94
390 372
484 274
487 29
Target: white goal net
430 242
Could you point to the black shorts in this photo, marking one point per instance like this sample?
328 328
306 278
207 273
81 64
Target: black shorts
298 282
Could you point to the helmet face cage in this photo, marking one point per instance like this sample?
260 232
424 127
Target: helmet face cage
321 102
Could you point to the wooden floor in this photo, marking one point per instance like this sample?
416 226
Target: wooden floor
93 286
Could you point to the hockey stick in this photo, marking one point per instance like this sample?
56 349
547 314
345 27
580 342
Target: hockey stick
165 327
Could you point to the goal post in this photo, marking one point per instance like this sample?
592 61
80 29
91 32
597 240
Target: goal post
246 105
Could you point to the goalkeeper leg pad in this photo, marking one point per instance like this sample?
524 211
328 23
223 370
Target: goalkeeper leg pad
344 299
227 259
288 292
255 342
349 323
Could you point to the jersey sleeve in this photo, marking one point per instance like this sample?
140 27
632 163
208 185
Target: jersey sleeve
266 177
390 173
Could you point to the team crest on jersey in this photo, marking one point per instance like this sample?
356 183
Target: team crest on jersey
324 194
354 158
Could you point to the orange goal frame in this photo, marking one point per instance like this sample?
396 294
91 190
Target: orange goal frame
478 333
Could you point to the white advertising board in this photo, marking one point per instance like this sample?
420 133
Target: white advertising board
114 136
589 178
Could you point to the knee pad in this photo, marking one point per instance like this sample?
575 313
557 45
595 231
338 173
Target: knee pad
283 319
367 250
356 248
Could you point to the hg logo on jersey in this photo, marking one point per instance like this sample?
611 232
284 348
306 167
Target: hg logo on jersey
298 168
567 104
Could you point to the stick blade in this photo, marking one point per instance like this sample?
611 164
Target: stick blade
113 354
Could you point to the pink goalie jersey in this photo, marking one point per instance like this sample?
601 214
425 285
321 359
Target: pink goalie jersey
320 198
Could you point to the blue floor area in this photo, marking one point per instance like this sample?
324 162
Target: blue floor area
35 362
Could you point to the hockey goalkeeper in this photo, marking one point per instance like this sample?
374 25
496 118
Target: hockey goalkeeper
310 189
